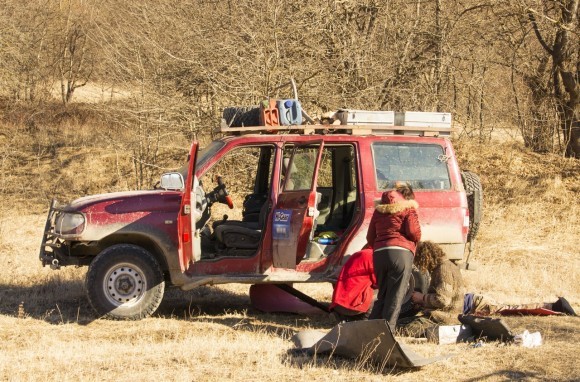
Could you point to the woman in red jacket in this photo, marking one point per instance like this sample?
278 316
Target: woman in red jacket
393 233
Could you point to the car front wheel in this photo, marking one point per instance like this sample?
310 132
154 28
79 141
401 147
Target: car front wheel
125 282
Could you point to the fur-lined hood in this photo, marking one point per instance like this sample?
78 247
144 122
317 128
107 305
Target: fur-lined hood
397 207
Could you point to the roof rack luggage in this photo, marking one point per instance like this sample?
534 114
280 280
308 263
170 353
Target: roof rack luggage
361 122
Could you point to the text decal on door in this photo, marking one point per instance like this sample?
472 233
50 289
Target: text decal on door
281 226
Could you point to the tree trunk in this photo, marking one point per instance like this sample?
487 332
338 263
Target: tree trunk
566 72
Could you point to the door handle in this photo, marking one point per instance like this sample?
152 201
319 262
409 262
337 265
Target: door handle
302 200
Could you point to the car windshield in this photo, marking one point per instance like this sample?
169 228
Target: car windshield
208 152
423 166
202 156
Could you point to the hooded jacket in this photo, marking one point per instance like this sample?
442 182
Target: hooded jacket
394 223
444 298
354 287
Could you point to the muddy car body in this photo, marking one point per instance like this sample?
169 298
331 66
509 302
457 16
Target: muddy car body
310 201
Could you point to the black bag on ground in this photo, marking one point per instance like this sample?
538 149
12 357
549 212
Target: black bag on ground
487 327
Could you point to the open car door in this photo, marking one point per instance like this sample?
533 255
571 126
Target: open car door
184 219
295 212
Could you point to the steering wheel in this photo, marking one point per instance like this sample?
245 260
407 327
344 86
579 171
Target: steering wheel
221 194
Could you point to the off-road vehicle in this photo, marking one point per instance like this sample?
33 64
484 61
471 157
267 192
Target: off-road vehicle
310 191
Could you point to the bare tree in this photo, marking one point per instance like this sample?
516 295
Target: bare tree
24 51
183 62
544 57
74 61
560 21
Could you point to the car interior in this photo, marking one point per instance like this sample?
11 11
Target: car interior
247 173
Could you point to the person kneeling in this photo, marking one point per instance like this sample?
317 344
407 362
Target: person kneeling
353 294
443 301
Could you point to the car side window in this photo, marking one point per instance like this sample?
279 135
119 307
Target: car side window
300 171
423 166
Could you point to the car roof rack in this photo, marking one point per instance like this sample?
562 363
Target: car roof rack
276 117
370 129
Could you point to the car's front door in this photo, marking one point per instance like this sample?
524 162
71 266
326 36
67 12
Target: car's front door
184 219
295 212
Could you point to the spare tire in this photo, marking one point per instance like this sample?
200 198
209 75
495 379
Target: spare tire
242 116
474 192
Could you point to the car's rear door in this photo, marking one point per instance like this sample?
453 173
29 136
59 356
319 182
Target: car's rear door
429 167
295 212
184 219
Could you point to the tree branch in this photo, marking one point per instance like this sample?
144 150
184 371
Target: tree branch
538 34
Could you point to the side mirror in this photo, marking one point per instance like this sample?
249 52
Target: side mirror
172 181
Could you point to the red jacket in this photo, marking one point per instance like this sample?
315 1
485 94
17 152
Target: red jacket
394 223
354 287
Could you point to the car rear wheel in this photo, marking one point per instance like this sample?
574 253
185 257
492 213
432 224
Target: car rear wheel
125 282
474 191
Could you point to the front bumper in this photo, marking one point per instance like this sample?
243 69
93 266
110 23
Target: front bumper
55 251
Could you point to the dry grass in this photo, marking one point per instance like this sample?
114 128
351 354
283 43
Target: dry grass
529 239
527 252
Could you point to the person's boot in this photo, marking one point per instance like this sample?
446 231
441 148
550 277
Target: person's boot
562 305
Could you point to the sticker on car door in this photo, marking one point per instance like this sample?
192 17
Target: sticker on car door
281 224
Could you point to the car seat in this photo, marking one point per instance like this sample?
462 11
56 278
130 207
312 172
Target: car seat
241 234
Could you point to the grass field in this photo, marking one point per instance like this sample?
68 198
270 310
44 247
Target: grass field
527 252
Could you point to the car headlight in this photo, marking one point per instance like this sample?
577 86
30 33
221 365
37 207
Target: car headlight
67 223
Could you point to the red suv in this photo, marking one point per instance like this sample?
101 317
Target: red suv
308 196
